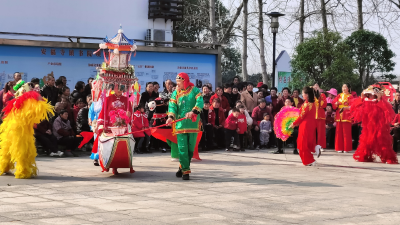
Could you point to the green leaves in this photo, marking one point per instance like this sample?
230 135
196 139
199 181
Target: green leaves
371 53
323 59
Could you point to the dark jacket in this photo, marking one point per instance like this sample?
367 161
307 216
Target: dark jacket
82 122
42 127
50 93
146 98
75 95
396 106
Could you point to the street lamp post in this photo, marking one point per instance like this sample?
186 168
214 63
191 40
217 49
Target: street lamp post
274 29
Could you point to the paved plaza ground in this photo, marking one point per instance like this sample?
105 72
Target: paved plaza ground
252 187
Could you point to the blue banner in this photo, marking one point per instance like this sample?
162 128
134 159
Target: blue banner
80 65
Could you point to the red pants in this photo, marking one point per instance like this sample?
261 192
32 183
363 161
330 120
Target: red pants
321 133
306 156
343 141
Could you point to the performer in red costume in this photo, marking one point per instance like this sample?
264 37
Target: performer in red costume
375 113
343 140
112 102
307 126
320 104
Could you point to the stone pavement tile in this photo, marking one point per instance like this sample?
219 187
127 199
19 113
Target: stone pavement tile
9 194
136 222
58 221
186 208
177 194
64 196
364 220
117 206
72 211
4 208
95 202
24 199
37 191
14 223
29 214
69 184
214 217
6 219
209 198
149 212
51 204
126 198
155 203
103 217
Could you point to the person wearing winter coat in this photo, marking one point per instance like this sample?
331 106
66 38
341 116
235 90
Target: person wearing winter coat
140 122
231 128
217 119
243 121
258 116
78 93
207 138
44 135
82 120
265 130
224 102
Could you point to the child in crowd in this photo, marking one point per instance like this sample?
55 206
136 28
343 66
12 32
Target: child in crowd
231 128
206 142
217 119
330 126
242 126
265 130
140 122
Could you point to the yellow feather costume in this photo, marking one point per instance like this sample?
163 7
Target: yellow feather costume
17 141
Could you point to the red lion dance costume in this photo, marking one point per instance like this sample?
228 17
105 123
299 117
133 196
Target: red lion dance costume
375 114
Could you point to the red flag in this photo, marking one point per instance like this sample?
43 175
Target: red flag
87 136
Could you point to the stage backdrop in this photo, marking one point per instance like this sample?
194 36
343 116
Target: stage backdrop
80 64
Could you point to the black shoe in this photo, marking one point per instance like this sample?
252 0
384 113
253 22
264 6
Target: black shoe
185 177
179 173
147 151
278 152
164 150
96 162
295 152
137 151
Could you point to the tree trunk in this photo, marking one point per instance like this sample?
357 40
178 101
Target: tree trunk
212 22
323 15
360 15
244 54
261 38
302 20
228 31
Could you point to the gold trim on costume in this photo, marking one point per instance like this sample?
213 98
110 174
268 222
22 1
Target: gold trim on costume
196 108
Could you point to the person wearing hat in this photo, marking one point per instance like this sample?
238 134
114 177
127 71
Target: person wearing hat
332 93
185 103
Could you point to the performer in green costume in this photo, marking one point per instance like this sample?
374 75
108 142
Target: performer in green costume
185 103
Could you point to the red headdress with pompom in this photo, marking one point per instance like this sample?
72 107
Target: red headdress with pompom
186 80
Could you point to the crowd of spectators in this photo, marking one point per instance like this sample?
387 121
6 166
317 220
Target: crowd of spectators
235 117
